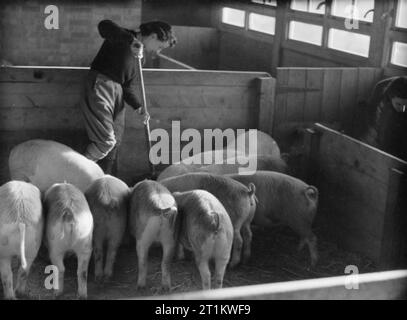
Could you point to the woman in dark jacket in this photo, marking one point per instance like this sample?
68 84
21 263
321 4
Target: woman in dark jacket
112 80
387 117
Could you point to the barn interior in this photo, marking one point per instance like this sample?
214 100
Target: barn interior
297 70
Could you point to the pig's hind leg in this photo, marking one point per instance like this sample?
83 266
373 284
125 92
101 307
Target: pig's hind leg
7 279
168 253
57 259
112 247
21 288
98 255
82 272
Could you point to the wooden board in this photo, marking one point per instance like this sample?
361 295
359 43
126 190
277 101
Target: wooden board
370 286
327 95
34 99
362 204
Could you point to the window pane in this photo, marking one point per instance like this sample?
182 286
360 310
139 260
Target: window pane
308 6
399 54
261 23
305 32
233 16
350 42
356 9
267 2
401 20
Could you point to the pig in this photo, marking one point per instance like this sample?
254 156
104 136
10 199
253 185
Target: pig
153 213
206 229
265 144
108 201
69 228
45 162
238 200
233 165
177 169
21 228
287 200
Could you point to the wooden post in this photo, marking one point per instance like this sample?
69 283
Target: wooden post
280 34
267 88
309 156
393 243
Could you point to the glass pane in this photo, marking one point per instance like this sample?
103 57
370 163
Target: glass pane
233 16
362 7
399 54
401 20
356 9
261 23
308 6
267 2
305 32
313 4
350 42
301 5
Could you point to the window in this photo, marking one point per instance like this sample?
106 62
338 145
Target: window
266 2
399 54
401 19
234 17
308 6
350 42
262 23
305 32
354 9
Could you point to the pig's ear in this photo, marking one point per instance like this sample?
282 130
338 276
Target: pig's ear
312 193
252 188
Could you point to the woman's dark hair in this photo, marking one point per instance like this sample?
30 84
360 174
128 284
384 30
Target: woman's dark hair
161 29
397 88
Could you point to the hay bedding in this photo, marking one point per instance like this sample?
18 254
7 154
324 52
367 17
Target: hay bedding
274 259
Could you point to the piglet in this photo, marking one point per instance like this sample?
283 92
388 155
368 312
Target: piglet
107 198
21 227
206 229
69 227
153 212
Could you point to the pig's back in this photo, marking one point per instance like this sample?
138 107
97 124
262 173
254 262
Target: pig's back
45 162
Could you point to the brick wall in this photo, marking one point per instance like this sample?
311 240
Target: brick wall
24 40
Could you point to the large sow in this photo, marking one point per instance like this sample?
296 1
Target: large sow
45 162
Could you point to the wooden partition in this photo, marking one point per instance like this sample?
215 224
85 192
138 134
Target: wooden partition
326 95
41 102
362 195
390 285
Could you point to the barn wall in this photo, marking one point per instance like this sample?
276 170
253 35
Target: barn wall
25 41
198 13
43 103
197 47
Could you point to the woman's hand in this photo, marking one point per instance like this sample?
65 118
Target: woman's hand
137 48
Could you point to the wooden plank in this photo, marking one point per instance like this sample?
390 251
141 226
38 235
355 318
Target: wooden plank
266 104
394 235
371 286
330 98
348 94
295 100
152 76
313 99
281 99
371 161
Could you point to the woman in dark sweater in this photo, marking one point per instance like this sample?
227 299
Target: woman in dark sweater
387 117
113 80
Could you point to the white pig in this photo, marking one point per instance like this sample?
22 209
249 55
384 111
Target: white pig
21 228
69 227
238 200
287 200
206 229
153 212
45 162
108 201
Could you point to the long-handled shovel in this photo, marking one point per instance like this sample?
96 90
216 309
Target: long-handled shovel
146 122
